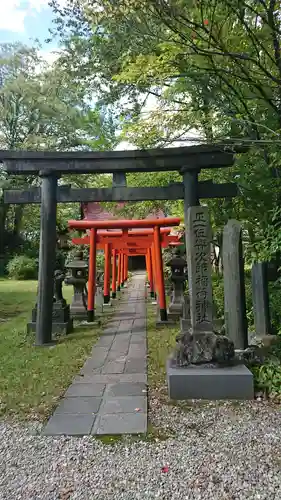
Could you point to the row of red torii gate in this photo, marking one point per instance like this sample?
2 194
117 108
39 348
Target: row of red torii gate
120 239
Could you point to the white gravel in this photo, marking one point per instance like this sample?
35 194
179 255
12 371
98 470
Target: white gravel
225 452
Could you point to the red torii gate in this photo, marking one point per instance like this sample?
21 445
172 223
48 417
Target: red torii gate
115 244
125 225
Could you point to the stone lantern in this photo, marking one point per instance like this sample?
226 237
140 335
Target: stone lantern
63 240
178 278
78 278
61 320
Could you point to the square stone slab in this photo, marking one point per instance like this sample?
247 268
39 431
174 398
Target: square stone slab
80 404
141 341
88 370
113 367
104 341
118 349
135 365
139 331
125 389
92 364
128 404
139 322
137 351
123 332
99 354
84 389
112 324
110 331
69 425
116 356
120 423
123 338
126 324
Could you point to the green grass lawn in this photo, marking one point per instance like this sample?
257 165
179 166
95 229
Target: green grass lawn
160 342
32 379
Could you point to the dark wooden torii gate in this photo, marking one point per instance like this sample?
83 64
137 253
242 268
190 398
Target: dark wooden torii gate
49 166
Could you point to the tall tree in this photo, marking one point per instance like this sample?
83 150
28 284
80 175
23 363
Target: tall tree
225 47
41 107
215 65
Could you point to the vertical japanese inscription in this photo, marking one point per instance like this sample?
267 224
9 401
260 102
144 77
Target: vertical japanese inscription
199 268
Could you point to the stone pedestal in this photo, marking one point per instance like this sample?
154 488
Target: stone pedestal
177 264
209 382
61 321
175 310
99 303
78 279
78 307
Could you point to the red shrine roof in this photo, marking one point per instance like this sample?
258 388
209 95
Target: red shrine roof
94 211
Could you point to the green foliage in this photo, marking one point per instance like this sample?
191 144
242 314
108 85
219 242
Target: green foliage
218 295
213 69
100 265
267 379
275 301
267 376
38 104
22 267
160 344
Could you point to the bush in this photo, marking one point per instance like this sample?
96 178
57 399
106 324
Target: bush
274 304
267 372
218 295
22 267
267 379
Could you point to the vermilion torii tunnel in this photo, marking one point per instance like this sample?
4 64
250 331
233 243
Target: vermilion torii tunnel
125 225
124 244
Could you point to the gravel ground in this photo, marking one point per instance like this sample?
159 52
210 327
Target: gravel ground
215 452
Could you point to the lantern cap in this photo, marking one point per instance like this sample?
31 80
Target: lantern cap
177 261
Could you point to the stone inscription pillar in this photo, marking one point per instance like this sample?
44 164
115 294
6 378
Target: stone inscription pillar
200 344
199 236
234 285
261 299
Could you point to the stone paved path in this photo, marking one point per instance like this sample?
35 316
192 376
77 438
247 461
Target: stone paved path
109 396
